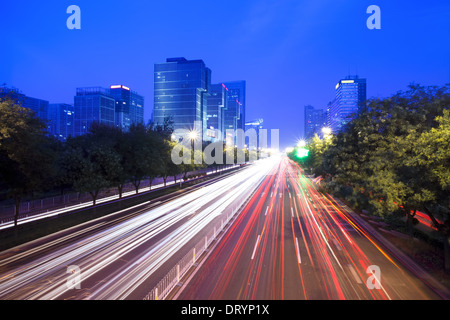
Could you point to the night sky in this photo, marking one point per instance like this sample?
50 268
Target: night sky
291 53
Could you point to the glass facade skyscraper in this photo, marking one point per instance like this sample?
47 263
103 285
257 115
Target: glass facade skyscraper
180 93
350 96
129 107
217 102
93 104
256 125
61 117
231 115
315 120
236 91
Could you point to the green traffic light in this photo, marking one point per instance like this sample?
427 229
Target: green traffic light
302 152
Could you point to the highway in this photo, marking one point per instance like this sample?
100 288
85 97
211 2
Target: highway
123 255
290 241
293 242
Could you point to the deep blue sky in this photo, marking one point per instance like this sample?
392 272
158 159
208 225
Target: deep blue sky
291 53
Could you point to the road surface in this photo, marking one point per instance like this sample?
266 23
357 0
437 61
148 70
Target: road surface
293 242
123 255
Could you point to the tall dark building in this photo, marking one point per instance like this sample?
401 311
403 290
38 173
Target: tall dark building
236 91
129 106
256 125
315 120
350 97
39 106
61 117
230 120
93 104
217 102
180 93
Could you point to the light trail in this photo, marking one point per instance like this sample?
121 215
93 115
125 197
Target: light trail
143 243
300 246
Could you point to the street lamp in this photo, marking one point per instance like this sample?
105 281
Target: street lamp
193 135
301 143
326 131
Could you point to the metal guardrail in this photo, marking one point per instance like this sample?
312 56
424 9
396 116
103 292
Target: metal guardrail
173 277
35 207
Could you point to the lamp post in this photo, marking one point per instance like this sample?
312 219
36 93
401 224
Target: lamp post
326 131
193 137
301 143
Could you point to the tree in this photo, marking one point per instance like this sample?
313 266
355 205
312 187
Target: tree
113 139
90 165
168 167
156 143
138 154
27 154
430 160
394 157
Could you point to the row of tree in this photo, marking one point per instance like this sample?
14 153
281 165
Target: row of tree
393 156
32 162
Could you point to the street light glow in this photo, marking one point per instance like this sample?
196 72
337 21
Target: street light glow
326 131
301 143
192 134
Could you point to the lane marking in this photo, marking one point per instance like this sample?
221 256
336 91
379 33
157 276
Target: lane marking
267 209
292 211
355 275
298 251
337 244
256 245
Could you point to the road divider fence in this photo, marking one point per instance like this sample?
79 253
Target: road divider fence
191 258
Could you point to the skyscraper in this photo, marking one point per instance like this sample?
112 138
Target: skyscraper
39 106
350 97
236 91
180 88
230 119
61 117
93 104
217 102
129 107
256 125
315 120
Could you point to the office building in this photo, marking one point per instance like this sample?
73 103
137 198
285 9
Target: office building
349 98
230 120
129 106
61 117
217 102
261 140
181 93
315 120
93 104
237 91
39 106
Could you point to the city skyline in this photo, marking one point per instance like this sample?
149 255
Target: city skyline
291 54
